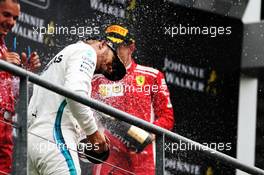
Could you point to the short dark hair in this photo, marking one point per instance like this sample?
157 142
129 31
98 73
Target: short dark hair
15 1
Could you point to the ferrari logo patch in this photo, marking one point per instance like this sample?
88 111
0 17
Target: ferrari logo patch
140 80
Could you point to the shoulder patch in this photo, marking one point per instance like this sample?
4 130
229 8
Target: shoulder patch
149 69
146 73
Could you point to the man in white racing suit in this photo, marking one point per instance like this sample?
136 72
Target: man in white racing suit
51 117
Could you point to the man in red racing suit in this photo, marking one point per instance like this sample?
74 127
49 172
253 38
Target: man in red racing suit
143 93
6 110
9 12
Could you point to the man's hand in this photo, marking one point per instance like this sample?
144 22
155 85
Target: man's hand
100 140
32 63
12 57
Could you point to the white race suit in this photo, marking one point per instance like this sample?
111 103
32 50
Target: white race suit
53 117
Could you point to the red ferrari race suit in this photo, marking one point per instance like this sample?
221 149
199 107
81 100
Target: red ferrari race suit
7 102
143 93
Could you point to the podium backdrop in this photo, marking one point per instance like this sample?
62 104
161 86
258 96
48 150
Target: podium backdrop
198 51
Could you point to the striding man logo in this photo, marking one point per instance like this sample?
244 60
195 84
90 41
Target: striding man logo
209 171
130 10
212 83
49 36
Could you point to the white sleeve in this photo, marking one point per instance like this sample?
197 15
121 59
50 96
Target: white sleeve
79 71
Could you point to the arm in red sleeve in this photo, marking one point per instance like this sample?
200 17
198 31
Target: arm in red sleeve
163 110
95 87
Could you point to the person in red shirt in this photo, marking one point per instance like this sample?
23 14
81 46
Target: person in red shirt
143 93
9 12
